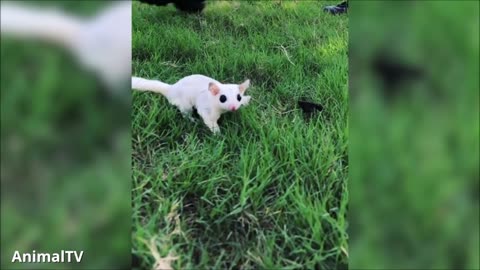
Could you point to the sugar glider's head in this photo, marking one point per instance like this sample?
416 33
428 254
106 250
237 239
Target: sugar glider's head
229 97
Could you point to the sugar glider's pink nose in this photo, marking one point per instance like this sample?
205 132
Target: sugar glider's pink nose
233 108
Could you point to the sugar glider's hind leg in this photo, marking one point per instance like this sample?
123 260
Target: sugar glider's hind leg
186 112
185 109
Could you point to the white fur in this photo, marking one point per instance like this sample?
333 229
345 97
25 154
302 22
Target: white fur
200 92
101 43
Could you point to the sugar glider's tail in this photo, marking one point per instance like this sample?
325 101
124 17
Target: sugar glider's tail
142 84
48 24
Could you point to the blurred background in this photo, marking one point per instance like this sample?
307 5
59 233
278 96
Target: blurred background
65 139
414 135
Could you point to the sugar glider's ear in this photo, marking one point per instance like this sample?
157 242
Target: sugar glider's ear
213 88
243 87
246 100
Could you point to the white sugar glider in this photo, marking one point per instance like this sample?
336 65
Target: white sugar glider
210 97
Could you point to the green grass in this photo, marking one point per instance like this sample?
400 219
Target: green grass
270 191
414 147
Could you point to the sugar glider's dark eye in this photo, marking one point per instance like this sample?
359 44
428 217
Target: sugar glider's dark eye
239 97
223 98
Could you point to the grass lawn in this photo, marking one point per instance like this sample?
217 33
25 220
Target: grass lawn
270 191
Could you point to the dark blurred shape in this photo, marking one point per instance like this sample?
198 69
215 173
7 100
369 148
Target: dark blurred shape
190 6
393 73
136 262
309 108
337 9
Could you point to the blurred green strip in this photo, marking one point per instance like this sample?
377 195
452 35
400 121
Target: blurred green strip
414 147
65 157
